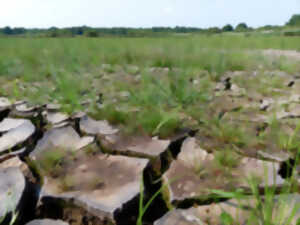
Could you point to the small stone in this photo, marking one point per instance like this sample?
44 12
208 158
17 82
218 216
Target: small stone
265 104
195 82
62 138
294 98
61 125
53 107
78 115
220 87
237 91
153 147
9 123
4 103
17 132
93 127
13 162
282 115
83 167
24 108
20 102
125 94
56 117
276 156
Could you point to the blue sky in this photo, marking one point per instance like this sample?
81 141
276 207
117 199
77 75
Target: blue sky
142 13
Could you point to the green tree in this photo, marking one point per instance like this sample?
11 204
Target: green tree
7 31
294 21
214 30
227 28
241 27
92 33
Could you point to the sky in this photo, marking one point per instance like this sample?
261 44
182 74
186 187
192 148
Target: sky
145 13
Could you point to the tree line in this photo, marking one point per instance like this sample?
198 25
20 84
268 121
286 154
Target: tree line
132 32
115 31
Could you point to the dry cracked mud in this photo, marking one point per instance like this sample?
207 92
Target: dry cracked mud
73 169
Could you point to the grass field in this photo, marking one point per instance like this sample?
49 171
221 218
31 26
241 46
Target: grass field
70 71
33 59
160 86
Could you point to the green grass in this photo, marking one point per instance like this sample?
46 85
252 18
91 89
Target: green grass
155 105
71 71
143 208
270 208
35 59
283 140
50 162
225 132
227 158
177 93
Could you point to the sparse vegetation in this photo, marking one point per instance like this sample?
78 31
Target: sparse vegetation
67 183
51 161
227 158
215 84
271 207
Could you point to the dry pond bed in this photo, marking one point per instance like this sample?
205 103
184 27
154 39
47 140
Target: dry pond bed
72 169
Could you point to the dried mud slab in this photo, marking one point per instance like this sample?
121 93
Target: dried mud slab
239 211
61 138
4 103
52 107
12 162
142 146
10 123
101 184
12 187
277 156
152 146
204 215
47 222
292 111
23 109
56 117
14 132
21 179
195 173
93 127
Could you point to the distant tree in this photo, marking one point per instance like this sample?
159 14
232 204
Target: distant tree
241 27
92 33
73 31
294 21
268 27
292 33
227 28
19 30
7 31
53 29
80 31
214 30
53 34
